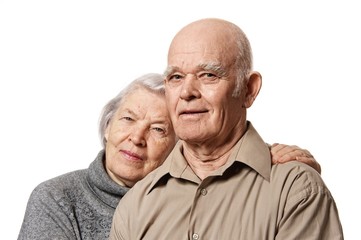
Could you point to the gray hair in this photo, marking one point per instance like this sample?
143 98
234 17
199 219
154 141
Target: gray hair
152 82
244 61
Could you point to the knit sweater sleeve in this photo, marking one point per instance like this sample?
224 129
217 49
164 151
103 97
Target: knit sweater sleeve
48 215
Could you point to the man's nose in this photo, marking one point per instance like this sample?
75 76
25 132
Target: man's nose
190 88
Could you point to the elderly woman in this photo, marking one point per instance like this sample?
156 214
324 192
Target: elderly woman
137 135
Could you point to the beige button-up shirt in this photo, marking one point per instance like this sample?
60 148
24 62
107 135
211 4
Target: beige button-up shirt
247 198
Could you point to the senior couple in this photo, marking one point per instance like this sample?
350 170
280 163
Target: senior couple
220 180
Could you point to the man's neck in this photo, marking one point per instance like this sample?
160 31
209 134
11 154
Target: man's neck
203 165
205 158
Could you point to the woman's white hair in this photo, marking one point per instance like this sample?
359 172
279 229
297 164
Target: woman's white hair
152 82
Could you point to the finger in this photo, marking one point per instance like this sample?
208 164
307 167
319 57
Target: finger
274 145
276 148
311 162
290 154
283 152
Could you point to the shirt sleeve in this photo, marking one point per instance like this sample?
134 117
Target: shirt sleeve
310 214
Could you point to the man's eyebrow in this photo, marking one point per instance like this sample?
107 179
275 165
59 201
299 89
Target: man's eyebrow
214 67
210 66
169 70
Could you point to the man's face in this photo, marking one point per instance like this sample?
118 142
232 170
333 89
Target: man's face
139 137
200 80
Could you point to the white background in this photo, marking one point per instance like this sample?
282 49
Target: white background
61 61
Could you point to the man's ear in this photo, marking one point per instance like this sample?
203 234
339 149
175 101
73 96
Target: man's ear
253 87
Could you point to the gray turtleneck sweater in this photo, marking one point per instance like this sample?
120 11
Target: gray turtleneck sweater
76 205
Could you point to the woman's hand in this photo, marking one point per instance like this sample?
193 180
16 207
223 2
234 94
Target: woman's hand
282 153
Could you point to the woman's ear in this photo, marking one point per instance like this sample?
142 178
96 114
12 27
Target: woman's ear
253 87
106 133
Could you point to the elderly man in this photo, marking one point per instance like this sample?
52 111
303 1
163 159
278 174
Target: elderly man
218 182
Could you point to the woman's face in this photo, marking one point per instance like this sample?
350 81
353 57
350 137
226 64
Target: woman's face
139 137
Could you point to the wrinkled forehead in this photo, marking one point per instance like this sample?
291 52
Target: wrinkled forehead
144 101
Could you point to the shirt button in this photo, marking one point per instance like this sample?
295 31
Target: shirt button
204 191
195 236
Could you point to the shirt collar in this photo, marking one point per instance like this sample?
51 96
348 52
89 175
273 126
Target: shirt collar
254 152
250 150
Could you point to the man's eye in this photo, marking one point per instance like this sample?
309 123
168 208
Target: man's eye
174 77
208 77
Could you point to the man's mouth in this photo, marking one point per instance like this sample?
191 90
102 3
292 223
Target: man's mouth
190 112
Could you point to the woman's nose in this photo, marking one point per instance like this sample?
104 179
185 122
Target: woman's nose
137 137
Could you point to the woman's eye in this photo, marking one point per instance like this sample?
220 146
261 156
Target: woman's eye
159 130
127 118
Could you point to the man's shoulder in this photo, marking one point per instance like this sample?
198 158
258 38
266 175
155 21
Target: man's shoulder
297 179
295 169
